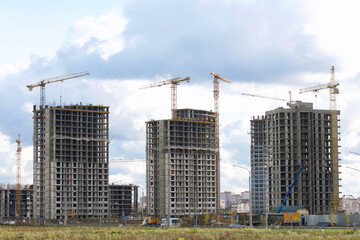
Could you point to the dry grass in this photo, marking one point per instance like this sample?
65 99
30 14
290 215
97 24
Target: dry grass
137 233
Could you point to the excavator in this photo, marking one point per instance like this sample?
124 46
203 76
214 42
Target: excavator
151 222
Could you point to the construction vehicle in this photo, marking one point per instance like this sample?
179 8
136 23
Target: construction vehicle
174 82
151 221
292 185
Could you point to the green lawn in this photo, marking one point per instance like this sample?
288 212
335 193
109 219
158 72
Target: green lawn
88 233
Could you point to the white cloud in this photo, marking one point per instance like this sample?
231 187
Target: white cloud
7 69
27 107
8 158
120 179
106 30
334 24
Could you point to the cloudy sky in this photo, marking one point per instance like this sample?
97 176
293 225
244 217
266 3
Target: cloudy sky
264 47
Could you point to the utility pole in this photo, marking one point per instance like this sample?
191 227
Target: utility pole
250 205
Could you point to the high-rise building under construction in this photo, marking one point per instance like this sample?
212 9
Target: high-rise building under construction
71 153
294 137
258 165
182 169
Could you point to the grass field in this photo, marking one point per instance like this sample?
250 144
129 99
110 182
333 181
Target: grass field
137 233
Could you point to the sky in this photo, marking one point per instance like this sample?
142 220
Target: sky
263 47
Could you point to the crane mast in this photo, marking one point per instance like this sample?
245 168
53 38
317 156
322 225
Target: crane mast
18 178
333 91
217 127
43 83
174 82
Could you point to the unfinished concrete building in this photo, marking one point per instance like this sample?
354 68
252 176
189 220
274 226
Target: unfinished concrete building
123 200
297 135
71 167
258 159
8 203
182 176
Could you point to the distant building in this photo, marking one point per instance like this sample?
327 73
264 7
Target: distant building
245 195
222 204
123 200
227 198
242 207
182 170
350 204
71 161
142 204
235 202
8 203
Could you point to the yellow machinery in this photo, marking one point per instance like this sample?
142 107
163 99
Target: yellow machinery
151 221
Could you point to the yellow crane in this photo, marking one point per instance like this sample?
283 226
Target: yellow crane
43 83
216 90
174 82
289 101
18 178
333 91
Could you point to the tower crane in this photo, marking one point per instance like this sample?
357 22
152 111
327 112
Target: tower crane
288 101
43 83
216 100
354 153
18 178
116 160
333 91
216 90
174 82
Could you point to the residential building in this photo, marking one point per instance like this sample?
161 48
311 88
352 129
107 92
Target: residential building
300 136
123 200
71 161
182 169
258 160
8 202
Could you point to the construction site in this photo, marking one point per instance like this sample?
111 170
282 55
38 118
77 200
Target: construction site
294 159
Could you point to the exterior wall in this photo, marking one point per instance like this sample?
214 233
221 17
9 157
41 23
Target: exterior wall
123 200
71 153
296 135
226 196
8 203
181 165
243 207
258 165
350 205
